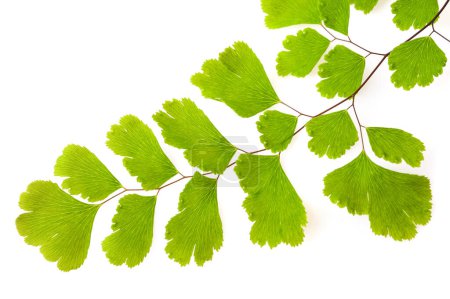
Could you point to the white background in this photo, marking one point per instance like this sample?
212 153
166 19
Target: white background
70 69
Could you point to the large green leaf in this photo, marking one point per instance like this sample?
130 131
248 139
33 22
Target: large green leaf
416 13
395 145
332 134
86 174
335 14
238 79
277 130
272 202
304 52
290 12
395 202
185 126
416 62
143 156
57 222
342 72
132 230
197 228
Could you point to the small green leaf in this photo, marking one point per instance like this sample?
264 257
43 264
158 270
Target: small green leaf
416 62
144 157
272 202
342 72
57 222
335 14
237 79
86 174
365 5
197 228
395 145
290 12
395 202
185 126
332 134
132 231
305 51
414 13
277 130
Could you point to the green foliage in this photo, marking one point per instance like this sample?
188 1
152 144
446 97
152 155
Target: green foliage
335 14
57 222
332 134
365 5
185 126
272 202
277 129
197 228
238 79
395 145
132 231
395 202
414 13
304 52
144 157
416 62
291 12
342 72
86 174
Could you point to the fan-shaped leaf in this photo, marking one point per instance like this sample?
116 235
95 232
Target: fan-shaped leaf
197 228
395 145
277 129
86 174
185 126
290 12
305 51
416 62
239 80
144 157
332 134
132 230
335 14
272 202
395 202
57 222
343 72
414 13
365 5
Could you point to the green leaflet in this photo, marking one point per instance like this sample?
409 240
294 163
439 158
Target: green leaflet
332 134
86 174
143 156
304 52
197 228
414 13
277 130
335 14
290 12
395 145
237 79
57 222
365 5
185 126
416 62
272 202
132 231
342 72
395 202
